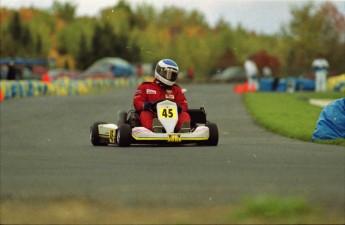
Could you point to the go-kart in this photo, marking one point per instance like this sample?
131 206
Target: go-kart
128 129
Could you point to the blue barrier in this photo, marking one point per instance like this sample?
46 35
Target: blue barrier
266 84
19 89
289 84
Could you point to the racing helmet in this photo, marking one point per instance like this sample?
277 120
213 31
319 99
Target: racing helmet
166 72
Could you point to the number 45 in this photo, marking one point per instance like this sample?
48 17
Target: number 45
168 113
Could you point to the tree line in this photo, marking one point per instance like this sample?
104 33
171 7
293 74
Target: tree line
144 35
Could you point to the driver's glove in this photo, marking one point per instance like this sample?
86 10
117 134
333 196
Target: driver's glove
147 106
179 108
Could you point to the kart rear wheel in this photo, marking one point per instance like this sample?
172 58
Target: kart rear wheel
124 135
214 136
94 135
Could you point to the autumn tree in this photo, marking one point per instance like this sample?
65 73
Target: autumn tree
313 31
146 34
83 58
65 11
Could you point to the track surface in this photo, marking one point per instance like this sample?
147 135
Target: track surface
46 152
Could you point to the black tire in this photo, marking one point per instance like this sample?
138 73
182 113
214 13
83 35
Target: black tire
124 135
214 136
121 117
94 135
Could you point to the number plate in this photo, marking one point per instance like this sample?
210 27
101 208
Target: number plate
174 138
112 135
169 113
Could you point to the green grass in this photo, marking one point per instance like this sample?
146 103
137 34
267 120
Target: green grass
281 210
289 114
274 207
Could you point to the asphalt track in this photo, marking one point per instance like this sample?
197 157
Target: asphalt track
46 152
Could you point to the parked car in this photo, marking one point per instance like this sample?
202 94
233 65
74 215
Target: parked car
230 74
60 73
110 67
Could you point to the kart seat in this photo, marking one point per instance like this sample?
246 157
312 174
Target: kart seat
197 116
133 118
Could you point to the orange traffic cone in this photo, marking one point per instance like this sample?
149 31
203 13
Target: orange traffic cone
1 96
46 78
241 88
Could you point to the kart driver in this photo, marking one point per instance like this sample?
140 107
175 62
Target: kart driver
162 87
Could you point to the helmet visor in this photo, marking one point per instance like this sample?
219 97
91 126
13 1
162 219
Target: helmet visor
169 73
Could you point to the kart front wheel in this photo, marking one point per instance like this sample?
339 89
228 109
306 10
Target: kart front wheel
214 136
94 134
121 117
124 135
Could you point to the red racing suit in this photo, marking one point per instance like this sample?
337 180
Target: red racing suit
155 91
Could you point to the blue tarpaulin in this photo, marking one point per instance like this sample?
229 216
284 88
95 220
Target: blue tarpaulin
24 61
331 122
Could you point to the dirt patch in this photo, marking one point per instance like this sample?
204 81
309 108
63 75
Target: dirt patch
84 211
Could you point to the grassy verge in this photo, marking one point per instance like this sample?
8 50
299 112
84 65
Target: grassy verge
252 210
288 114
